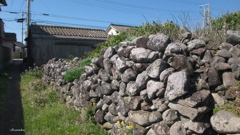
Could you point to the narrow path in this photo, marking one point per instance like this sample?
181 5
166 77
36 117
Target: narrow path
11 122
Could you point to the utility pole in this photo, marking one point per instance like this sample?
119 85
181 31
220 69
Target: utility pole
28 16
206 14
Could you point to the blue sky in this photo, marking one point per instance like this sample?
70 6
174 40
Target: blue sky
101 13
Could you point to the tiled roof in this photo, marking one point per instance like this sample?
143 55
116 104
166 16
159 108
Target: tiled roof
67 32
119 28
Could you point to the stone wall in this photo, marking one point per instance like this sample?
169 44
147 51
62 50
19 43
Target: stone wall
156 87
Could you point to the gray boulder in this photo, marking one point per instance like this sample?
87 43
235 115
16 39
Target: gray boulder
154 87
140 42
132 88
213 77
195 44
177 85
177 129
139 54
154 69
158 42
161 128
233 37
189 112
170 116
228 79
128 75
172 49
121 65
197 127
109 52
225 122
141 80
224 53
165 73
144 118
181 62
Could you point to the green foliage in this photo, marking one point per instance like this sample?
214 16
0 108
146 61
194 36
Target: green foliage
110 42
228 21
85 62
73 74
170 29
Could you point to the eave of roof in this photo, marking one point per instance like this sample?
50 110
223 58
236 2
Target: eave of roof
60 31
3 2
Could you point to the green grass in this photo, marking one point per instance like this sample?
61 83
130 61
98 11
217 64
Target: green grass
75 73
45 115
3 88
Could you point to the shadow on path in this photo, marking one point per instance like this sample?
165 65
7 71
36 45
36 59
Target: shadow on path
12 122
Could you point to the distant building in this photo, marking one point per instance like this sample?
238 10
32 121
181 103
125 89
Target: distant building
46 42
115 29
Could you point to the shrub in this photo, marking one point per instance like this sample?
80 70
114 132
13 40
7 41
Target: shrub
85 62
73 74
169 28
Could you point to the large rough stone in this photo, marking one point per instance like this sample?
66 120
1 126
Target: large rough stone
161 128
222 66
121 65
177 85
132 89
106 89
217 59
113 109
139 54
207 57
181 62
172 49
178 129
170 116
213 77
125 52
156 68
198 98
218 99
158 42
142 80
128 75
107 65
135 103
103 74
109 117
165 73
224 53
191 113
109 52
197 127
235 51
233 37
140 42
154 87
228 79
99 117
159 104
195 44
225 122
144 118
123 105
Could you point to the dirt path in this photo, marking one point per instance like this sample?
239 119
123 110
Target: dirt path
11 122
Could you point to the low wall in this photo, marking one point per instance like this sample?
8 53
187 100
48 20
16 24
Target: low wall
5 56
153 86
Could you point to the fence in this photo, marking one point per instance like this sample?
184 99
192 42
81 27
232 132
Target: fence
5 56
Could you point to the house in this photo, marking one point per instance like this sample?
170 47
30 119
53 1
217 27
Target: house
45 42
114 29
9 40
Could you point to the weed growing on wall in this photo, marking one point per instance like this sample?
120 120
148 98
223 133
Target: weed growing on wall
75 73
169 28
